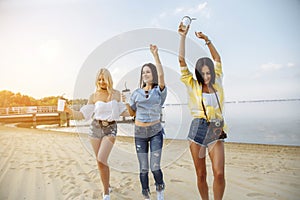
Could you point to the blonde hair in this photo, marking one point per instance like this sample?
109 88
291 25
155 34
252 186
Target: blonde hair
108 79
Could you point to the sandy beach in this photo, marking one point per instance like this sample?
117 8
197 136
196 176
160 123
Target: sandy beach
38 164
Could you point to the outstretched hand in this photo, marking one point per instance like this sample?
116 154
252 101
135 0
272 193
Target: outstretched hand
201 36
182 29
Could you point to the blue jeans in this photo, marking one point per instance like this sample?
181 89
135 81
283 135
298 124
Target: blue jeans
155 141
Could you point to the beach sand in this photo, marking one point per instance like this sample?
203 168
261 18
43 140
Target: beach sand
38 164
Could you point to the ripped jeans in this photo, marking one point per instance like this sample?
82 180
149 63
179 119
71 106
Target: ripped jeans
144 137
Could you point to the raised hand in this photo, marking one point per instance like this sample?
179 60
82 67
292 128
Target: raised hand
182 29
201 36
153 49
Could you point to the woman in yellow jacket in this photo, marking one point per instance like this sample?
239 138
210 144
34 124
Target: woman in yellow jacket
206 100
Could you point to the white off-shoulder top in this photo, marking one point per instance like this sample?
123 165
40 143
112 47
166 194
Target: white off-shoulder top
108 111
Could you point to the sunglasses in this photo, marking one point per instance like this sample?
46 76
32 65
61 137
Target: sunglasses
147 94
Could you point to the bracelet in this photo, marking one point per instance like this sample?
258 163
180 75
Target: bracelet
207 42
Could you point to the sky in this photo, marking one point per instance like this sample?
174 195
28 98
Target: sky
46 45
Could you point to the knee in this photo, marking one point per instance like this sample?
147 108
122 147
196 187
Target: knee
155 167
219 176
102 165
201 175
144 171
143 174
102 159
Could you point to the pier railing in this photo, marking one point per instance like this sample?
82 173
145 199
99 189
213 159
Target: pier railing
27 110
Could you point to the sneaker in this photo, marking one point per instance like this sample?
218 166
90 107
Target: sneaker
160 195
147 198
106 197
146 194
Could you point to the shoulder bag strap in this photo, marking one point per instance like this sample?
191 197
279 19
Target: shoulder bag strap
204 106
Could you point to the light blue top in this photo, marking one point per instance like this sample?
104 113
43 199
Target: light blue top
148 109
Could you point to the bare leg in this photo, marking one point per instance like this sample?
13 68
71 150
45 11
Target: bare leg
102 149
217 156
198 154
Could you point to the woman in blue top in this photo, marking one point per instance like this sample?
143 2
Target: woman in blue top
146 105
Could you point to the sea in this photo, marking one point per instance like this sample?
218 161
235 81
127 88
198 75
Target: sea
258 122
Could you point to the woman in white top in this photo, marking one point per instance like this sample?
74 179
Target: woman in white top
104 107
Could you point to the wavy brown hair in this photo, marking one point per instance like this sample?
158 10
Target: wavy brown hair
154 74
200 64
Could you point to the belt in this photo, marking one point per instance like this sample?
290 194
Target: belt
105 123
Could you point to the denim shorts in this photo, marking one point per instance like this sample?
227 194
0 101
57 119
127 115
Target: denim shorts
97 130
199 133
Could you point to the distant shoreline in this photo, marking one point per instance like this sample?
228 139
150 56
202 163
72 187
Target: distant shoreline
29 126
261 100
245 101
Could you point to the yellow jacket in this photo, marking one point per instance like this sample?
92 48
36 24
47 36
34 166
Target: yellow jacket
194 90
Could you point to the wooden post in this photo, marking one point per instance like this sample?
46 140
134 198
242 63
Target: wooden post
60 120
68 119
34 120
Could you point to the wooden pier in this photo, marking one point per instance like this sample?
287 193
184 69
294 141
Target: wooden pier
35 115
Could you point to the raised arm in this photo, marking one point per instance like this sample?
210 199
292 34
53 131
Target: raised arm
182 30
213 51
160 71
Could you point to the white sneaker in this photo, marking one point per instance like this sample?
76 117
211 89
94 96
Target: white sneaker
106 197
146 194
160 195
147 197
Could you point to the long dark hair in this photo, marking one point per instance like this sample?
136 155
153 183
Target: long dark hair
154 74
200 64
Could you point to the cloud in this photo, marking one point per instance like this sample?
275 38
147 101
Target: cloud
178 11
198 9
202 6
290 64
271 67
276 70
275 66
266 68
201 9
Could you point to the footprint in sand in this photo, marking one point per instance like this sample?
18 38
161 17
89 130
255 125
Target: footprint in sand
175 181
254 194
66 189
254 178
